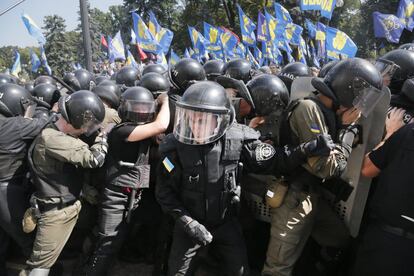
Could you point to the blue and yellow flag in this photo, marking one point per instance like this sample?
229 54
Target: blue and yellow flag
162 60
327 7
320 38
35 61
388 26
17 67
212 35
274 28
116 48
339 45
199 42
247 28
130 60
313 54
252 59
311 28
228 41
240 51
405 12
262 34
33 29
282 14
153 25
187 53
293 33
302 51
309 5
44 60
174 58
145 39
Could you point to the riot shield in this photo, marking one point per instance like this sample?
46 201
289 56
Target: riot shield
373 127
301 88
239 85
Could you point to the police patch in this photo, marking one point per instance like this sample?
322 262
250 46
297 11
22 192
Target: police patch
264 152
315 129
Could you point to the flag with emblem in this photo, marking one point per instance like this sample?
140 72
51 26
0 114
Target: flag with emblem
311 28
320 38
261 27
339 44
174 58
145 39
212 35
405 12
388 26
247 28
282 14
327 7
116 48
293 33
199 42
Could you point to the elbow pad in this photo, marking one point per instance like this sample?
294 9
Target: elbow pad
99 150
346 138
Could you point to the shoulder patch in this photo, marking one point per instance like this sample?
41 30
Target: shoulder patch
314 128
168 165
264 152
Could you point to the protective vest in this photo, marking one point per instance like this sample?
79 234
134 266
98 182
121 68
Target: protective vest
209 175
65 182
134 175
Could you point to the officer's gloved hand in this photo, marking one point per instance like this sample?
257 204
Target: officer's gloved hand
321 146
195 230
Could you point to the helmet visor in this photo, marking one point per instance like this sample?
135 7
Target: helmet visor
386 68
199 128
366 99
90 126
139 112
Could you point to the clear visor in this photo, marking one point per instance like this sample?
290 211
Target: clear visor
29 107
139 112
386 67
366 100
90 126
199 128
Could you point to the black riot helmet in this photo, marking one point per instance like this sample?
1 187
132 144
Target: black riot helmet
29 86
157 68
16 100
203 114
44 79
405 99
47 93
155 83
213 69
326 68
83 110
407 46
186 72
269 94
292 71
80 79
6 78
239 69
137 105
101 78
109 93
127 76
405 61
353 82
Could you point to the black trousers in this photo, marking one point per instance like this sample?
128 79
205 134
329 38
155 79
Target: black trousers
228 242
382 253
14 200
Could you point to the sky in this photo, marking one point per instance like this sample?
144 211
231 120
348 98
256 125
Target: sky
12 30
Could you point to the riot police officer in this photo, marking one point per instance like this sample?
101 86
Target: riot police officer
6 78
352 87
404 59
57 158
127 171
292 71
80 79
156 83
127 76
48 95
213 68
154 68
239 69
186 72
44 79
198 178
17 131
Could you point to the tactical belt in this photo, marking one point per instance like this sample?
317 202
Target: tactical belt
396 231
54 206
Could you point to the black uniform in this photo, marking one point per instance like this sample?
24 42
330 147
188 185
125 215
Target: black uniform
16 135
388 243
200 182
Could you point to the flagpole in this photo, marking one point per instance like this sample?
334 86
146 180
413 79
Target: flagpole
11 7
86 34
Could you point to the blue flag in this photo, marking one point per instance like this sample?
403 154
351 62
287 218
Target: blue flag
130 60
388 26
293 33
327 7
35 61
162 60
44 60
247 28
302 51
163 36
258 55
309 5
274 28
339 44
320 38
199 42
261 27
212 35
174 58
146 41
252 59
405 12
282 14
17 67
311 28
153 25
187 53
33 29
116 48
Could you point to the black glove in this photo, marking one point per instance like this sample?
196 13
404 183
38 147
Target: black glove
195 230
321 146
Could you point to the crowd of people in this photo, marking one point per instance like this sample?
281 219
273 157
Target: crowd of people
90 160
